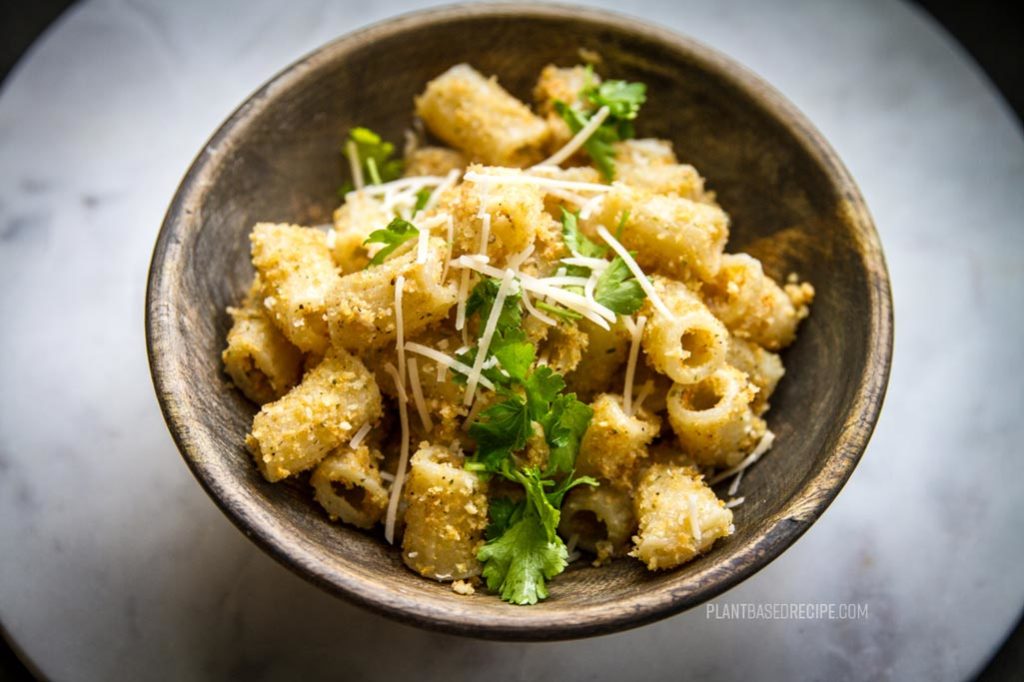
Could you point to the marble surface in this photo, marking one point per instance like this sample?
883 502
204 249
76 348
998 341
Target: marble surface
115 564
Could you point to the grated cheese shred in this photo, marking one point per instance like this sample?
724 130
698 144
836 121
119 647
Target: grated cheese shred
578 140
637 332
485 339
641 278
403 457
417 395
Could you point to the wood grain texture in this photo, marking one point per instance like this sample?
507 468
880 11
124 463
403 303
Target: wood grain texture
792 203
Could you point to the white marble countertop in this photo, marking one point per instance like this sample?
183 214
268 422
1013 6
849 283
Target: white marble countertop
115 564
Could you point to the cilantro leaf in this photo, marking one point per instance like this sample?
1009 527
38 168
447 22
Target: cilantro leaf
503 512
564 425
482 298
422 197
576 240
394 235
523 550
568 483
622 99
542 387
375 155
501 430
519 563
599 144
618 290
514 352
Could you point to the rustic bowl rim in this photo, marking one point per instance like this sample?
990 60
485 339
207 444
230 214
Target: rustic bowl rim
655 602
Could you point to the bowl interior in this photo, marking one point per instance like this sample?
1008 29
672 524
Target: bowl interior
278 159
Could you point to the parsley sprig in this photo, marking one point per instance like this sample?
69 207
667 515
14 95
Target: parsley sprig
375 157
523 550
394 235
623 100
617 289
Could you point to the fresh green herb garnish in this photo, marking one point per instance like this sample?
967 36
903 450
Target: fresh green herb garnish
618 290
523 550
564 313
422 197
599 144
375 155
623 101
394 235
578 242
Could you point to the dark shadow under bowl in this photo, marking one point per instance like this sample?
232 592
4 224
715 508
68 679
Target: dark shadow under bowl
792 202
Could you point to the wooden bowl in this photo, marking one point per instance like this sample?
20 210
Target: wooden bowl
792 203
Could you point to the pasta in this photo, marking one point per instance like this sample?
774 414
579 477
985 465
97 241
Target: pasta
446 513
348 486
520 347
258 358
332 402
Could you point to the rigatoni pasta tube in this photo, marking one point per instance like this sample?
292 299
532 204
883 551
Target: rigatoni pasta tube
763 369
615 441
753 306
689 345
651 165
437 161
479 117
713 419
348 486
605 353
601 519
361 309
671 235
556 84
261 362
514 215
679 516
297 272
445 515
333 401
354 220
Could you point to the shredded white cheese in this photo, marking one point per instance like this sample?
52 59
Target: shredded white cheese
417 395
448 182
448 362
473 412
645 283
485 339
540 181
735 502
592 204
532 310
645 392
578 140
448 255
592 310
403 457
734 487
634 352
763 446
357 439
694 519
413 183
355 165
460 308
400 325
